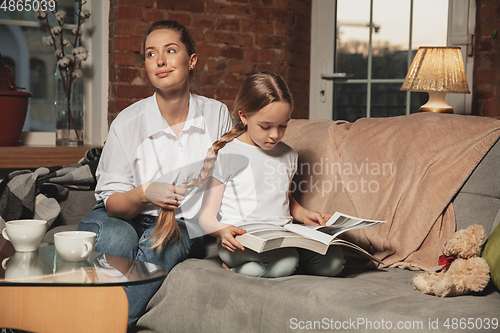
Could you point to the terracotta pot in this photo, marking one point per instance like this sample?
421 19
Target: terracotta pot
13 109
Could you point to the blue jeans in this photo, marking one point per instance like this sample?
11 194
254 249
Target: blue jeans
129 239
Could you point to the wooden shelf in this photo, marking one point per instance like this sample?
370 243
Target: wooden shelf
35 157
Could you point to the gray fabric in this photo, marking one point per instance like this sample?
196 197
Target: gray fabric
473 208
478 201
193 298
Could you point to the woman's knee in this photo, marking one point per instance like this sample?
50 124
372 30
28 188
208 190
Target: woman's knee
114 236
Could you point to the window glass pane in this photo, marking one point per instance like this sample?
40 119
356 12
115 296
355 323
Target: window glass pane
430 23
34 63
387 100
417 99
390 39
12 12
353 19
349 101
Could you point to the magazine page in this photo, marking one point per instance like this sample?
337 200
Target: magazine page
338 224
339 220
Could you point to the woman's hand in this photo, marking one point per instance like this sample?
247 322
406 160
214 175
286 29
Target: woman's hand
227 237
165 195
315 218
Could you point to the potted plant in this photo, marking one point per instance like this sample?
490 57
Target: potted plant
14 106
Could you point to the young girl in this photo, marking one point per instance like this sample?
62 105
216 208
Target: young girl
161 137
250 182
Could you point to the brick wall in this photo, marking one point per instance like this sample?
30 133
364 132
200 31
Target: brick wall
233 39
486 89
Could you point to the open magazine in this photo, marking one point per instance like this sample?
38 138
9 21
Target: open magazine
262 237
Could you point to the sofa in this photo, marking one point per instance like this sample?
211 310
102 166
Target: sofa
199 296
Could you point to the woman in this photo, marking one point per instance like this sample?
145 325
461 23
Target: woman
153 145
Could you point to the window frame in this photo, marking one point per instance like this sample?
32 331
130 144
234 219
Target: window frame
461 14
96 79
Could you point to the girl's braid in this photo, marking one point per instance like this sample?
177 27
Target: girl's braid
166 227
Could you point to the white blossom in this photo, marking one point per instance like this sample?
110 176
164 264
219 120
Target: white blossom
65 42
47 41
76 73
85 13
56 30
40 14
59 54
64 62
76 32
60 15
81 53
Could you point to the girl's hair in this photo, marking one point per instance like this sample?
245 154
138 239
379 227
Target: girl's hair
258 91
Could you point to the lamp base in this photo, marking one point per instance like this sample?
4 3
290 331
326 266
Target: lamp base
436 103
437 110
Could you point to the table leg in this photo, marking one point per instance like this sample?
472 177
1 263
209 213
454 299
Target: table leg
64 309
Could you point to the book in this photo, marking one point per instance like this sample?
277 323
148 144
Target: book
261 237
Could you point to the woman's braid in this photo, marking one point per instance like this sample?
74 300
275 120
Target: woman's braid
166 227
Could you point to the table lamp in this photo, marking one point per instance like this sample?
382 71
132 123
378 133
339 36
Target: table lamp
437 70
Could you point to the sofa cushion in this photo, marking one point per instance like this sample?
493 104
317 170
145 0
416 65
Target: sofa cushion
200 296
491 254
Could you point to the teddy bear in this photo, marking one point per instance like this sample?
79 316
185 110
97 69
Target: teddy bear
463 269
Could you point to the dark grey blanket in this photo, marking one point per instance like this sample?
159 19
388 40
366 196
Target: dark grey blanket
34 194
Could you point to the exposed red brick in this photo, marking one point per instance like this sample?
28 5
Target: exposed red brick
183 18
225 93
193 6
269 14
234 80
128 91
153 15
262 27
142 3
207 50
271 41
204 21
241 67
230 9
232 52
133 44
128 13
228 24
228 38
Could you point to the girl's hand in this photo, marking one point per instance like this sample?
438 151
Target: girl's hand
164 195
315 218
227 238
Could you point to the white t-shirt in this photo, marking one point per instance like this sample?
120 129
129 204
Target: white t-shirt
141 148
257 182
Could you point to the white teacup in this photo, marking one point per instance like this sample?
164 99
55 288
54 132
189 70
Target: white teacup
74 245
25 235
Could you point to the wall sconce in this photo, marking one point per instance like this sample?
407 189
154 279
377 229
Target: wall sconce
437 71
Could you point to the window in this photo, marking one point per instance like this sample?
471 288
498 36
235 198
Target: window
34 64
360 59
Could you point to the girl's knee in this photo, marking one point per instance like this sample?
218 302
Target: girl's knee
281 262
331 264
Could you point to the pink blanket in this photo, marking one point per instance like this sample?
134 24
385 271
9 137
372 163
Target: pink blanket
404 170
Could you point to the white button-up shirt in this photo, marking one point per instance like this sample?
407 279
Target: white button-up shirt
142 148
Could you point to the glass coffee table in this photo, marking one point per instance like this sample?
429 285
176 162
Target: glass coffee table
40 292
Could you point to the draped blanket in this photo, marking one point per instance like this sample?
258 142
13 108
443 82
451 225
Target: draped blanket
34 194
403 170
